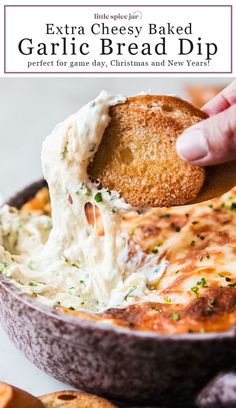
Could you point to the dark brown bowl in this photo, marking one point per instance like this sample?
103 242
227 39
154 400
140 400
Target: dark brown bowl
120 363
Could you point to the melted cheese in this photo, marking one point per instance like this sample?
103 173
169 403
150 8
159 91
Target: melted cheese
63 260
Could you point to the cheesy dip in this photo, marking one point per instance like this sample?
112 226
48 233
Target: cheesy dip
85 251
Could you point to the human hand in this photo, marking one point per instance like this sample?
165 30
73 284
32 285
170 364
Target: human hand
213 140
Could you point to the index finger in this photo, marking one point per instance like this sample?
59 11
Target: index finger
222 101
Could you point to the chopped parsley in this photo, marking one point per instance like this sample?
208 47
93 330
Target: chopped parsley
221 275
31 283
233 207
176 227
192 243
35 283
202 257
3 266
175 316
154 307
155 250
165 216
71 308
195 222
167 299
98 197
202 283
129 292
195 290
71 263
76 265
210 206
64 151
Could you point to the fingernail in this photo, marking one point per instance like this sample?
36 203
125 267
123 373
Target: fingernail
192 145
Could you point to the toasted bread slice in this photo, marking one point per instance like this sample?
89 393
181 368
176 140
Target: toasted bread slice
74 399
137 156
12 397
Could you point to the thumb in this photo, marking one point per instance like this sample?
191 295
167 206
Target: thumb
211 141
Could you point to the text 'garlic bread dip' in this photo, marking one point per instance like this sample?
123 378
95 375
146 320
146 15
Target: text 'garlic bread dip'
84 251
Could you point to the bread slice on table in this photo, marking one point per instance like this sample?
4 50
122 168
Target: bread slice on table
12 397
74 399
138 158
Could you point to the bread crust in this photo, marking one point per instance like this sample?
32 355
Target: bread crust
12 397
74 399
137 156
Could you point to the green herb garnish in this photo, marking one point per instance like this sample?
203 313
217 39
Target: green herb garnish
233 207
154 307
98 197
195 290
64 151
3 266
202 283
31 283
129 292
175 316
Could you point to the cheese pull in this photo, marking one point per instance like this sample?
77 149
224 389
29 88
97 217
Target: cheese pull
137 156
12 397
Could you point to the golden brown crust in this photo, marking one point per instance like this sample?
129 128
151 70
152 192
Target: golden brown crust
12 397
74 399
214 311
198 241
137 156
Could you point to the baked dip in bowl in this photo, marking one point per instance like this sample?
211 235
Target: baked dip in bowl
137 307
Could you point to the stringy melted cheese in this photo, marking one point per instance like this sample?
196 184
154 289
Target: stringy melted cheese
62 260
